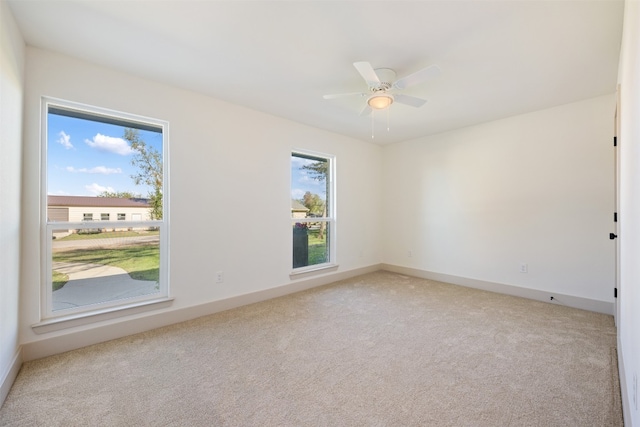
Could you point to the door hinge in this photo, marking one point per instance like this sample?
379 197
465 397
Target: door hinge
615 292
615 141
615 217
612 236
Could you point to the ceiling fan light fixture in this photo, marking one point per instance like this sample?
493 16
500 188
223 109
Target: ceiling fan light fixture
380 102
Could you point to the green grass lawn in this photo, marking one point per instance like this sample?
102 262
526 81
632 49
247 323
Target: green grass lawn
141 261
317 254
59 280
317 248
108 235
314 238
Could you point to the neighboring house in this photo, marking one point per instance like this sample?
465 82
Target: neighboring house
83 208
298 210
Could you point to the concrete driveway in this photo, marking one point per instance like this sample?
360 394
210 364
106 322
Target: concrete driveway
96 283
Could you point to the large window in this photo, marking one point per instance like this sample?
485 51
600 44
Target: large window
312 211
107 165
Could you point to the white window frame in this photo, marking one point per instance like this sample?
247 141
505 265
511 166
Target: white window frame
330 219
60 319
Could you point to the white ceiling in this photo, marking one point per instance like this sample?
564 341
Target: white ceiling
497 58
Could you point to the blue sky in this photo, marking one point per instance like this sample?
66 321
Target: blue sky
302 182
85 158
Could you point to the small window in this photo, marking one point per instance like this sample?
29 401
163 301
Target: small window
87 217
104 217
122 217
312 210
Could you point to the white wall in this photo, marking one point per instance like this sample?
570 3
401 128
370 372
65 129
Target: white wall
11 98
629 221
535 189
472 203
230 202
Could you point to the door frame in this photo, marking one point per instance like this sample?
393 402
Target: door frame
616 201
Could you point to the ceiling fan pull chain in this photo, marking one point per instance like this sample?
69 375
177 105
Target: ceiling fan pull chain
372 114
388 108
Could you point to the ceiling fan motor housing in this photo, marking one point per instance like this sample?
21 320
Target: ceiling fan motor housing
387 76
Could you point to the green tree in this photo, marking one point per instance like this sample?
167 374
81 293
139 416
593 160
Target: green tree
148 160
313 202
319 171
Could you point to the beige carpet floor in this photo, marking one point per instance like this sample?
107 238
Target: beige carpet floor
377 350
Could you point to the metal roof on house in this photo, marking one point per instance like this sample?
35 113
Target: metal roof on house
298 207
106 202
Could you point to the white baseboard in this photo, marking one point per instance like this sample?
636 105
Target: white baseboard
101 333
10 376
568 300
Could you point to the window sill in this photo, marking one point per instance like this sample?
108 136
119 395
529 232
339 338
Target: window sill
315 269
80 319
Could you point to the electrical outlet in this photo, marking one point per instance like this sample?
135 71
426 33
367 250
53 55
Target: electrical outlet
219 277
523 267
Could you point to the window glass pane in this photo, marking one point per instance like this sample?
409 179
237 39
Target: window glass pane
102 167
310 243
309 186
311 203
91 266
97 158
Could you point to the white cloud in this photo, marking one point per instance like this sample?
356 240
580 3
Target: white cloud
301 161
65 140
98 189
109 144
103 170
297 161
297 193
306 179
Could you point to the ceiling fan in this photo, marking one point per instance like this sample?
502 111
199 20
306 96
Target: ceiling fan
383 86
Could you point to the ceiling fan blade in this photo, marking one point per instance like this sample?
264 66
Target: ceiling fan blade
417 77
367 72
409 100
366 110
340 95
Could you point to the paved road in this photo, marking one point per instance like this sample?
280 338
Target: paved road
96 283
113 241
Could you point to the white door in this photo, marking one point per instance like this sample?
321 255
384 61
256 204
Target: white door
616 182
